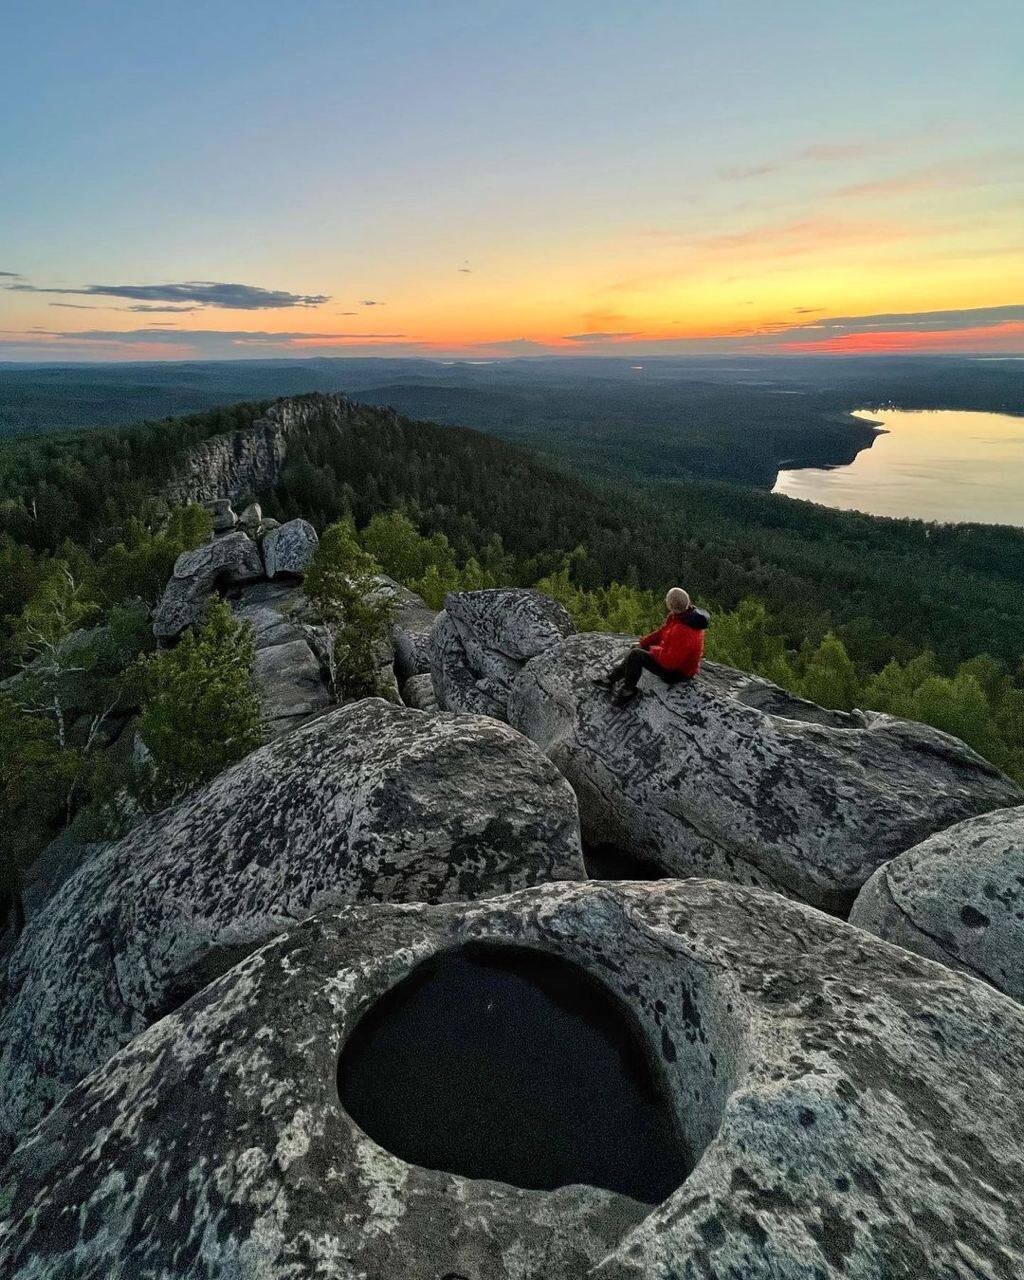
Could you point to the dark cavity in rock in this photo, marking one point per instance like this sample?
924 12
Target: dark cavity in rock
609 862
517 1066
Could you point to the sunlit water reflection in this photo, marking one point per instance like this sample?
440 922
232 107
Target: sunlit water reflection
934 464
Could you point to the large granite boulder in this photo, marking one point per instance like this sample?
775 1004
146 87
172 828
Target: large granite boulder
958 897
849 1111
233 559
289 548
481 640
730 776
418 692
371 802
293 681
410 631
224 518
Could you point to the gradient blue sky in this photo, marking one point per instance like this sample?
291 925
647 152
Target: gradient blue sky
511 177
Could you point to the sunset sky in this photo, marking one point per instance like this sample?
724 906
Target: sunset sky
227 179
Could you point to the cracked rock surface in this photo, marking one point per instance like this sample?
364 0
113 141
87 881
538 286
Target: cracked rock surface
233 558
370 802
730 776
957 897
855 1111
292 679
288 548
481 640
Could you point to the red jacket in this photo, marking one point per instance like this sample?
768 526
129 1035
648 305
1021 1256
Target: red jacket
678 644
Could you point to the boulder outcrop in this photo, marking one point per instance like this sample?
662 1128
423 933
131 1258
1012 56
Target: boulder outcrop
958 897
371 802
223 515
410 632
849 1111
482 639
293 683
288 548
233 558
732 777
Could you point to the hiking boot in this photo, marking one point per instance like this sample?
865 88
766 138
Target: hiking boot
625 696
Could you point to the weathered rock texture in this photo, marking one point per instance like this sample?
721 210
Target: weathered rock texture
289 548
730 776
293 682
237 465
233 558
856 1110
410 632
371 802
418 692
958 898
481 640
241 464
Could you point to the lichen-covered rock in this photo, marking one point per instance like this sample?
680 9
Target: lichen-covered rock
958 897
730 776
418 692
369 802
855 1112
290 676
289 548
481 640
232 558
224 518
229 467
251 518
410 632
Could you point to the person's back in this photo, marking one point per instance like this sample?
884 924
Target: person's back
673 652
678 644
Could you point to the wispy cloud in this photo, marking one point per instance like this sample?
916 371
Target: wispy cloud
371 302
599 337
10 275
77 306
824 153
968 330
206 293
145 306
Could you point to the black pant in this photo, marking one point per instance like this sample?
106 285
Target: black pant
635 663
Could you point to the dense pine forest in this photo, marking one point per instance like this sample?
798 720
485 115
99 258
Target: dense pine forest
920 620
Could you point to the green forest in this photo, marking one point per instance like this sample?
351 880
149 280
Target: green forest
920 620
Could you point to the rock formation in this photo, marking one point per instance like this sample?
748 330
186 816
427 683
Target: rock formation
231 559
854 1112
288 548
371 802
958 897
293 682
249 462
732 777
482 639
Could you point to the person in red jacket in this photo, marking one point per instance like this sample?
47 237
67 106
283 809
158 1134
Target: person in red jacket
673 652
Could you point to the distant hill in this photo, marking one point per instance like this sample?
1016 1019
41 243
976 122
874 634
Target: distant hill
734 420
890 586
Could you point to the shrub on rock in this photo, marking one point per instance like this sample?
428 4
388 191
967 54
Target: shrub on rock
200 710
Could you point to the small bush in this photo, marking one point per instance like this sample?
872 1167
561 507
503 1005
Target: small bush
201 711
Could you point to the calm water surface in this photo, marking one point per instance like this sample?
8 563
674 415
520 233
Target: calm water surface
933 464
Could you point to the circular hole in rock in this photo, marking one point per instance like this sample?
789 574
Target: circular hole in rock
517 1066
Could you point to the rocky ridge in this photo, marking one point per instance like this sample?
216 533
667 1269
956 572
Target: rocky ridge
177 1008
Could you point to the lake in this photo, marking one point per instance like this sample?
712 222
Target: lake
931 464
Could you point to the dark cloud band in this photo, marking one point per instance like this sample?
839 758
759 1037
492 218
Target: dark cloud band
206 293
